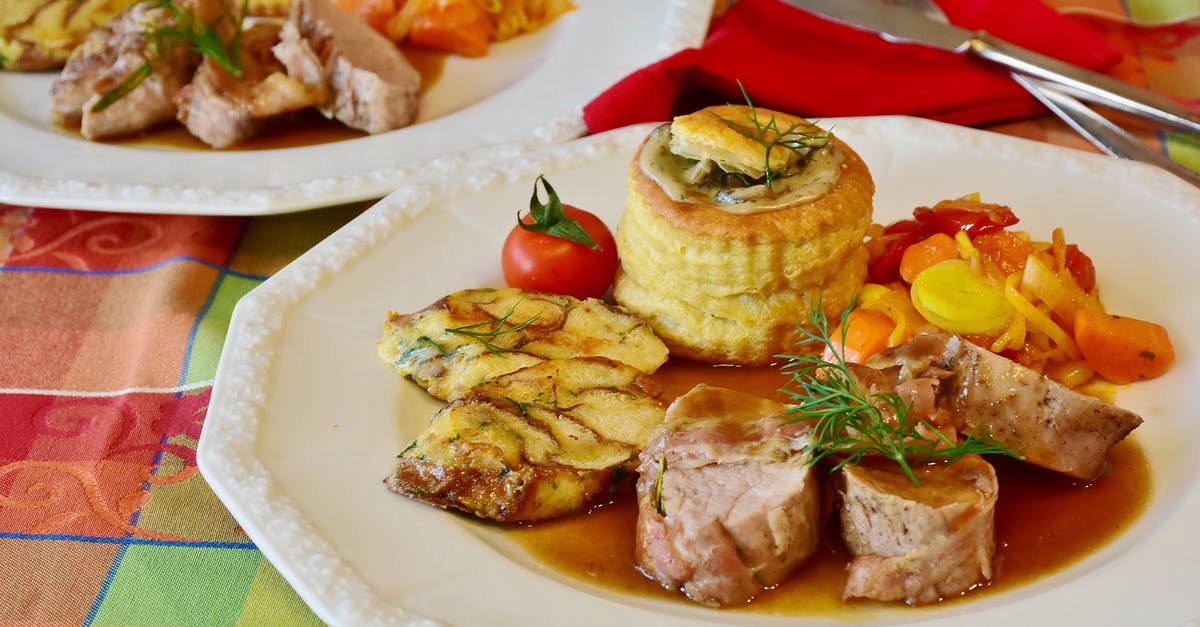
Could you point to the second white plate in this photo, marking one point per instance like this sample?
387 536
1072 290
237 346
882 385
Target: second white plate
528 91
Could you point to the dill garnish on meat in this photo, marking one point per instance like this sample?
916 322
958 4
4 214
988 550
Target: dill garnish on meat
852 423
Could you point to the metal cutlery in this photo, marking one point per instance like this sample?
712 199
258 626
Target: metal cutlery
1057 85
903 24
1101 131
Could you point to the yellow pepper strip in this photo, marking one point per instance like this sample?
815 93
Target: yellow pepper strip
1042 322
895 305
982 265
1014 336
1058 245
1072 373
966 250
1057 290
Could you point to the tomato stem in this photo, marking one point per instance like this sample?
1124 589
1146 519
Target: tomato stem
549 218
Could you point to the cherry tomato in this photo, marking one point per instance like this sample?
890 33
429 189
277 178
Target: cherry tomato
550 262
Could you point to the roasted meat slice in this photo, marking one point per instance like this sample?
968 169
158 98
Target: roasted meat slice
473 335
365 81
918 543
727 501
109 58
1046 423
222 109
533 444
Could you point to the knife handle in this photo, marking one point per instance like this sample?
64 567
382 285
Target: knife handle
1088 85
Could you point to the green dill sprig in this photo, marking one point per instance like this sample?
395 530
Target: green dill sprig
203 38
521 407
411 445
851 423
128 84
770 135
482 333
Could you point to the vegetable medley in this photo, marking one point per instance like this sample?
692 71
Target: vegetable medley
464 27
958 266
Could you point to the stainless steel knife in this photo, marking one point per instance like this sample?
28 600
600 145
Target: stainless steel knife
900 24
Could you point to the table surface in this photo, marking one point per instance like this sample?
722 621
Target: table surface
111 327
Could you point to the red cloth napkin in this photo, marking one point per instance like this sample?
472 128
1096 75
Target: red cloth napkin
794 61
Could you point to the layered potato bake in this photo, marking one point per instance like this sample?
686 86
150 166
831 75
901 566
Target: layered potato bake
40 34
739 221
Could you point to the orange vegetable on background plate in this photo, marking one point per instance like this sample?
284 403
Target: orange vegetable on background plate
458 26
1121 349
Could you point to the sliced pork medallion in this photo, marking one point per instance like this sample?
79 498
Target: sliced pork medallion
110 59
727 501
533 444
222 109
473 335
918 543
366 81
1046 423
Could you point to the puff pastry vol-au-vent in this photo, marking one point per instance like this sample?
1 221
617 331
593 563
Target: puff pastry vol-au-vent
737 223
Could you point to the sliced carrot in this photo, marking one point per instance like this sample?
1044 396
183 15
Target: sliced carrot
1005 248
866 334
458 26
1121 349
925 253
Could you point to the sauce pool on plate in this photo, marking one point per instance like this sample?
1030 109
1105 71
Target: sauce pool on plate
1044 522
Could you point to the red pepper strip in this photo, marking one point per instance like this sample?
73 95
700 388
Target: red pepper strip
885 253
972 217
1081 267
904 226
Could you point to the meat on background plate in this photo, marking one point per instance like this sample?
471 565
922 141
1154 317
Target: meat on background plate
321 57
108 56
222 109
366 81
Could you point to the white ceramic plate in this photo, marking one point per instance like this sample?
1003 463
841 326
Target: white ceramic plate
305 421
526 92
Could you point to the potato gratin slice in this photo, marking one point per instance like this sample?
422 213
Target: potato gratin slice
473 335
533 444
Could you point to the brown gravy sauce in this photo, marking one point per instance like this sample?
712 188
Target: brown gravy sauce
1044 522
303 128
